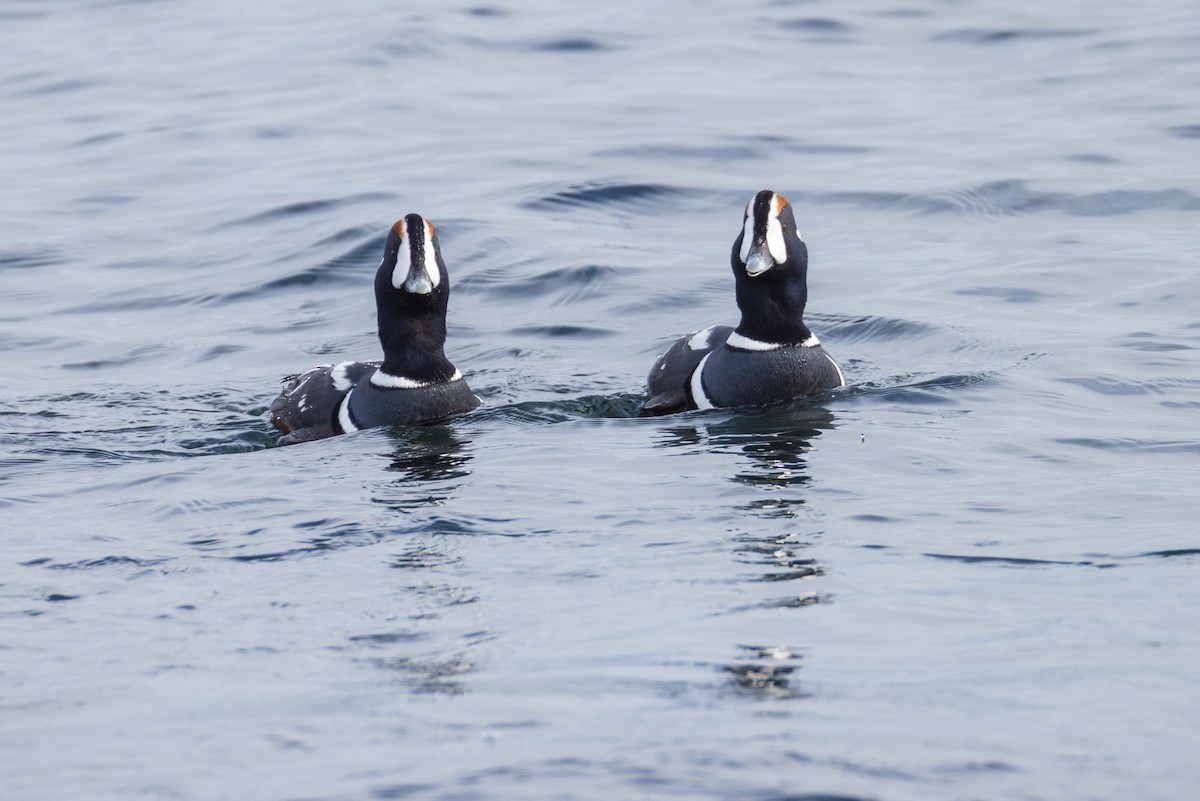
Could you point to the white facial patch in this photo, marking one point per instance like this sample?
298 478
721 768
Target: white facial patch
747 234
421 265
431 263
775 244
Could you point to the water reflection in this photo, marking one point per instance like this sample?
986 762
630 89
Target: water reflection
426 467
765 672
775 440
429 464
773 446
429 453
429 676
415 655
780 554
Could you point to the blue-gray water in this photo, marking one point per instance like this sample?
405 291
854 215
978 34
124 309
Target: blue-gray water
972 575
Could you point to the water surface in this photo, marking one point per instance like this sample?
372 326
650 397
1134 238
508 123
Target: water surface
969 575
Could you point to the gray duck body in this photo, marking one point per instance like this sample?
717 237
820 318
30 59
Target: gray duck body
414 383
771 356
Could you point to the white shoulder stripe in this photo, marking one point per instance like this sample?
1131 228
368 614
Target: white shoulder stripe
841 377
701 400
341 382
700 339
344 415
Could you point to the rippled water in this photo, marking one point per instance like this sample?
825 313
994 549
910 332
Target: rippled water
972 574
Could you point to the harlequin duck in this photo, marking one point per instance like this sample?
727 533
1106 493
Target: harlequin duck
772 355
415 382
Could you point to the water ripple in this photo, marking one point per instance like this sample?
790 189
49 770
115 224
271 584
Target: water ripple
1000 198
856 329
567 284
347 268
572 331
639 196
817 25
715 153
1010 561
1173 553
570 44
1131 445
310 207
37 257
1118 386
588 407
991 36
104 562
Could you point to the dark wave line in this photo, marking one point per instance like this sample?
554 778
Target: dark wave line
1013 197
1015 561
1172 553
991 36
309 207
644 196
350 267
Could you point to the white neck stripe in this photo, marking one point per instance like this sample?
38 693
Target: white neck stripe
388 381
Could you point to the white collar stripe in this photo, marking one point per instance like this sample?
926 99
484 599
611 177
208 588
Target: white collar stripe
388 381
739 342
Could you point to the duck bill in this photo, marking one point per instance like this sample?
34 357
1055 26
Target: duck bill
418 282
759 260
422 276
